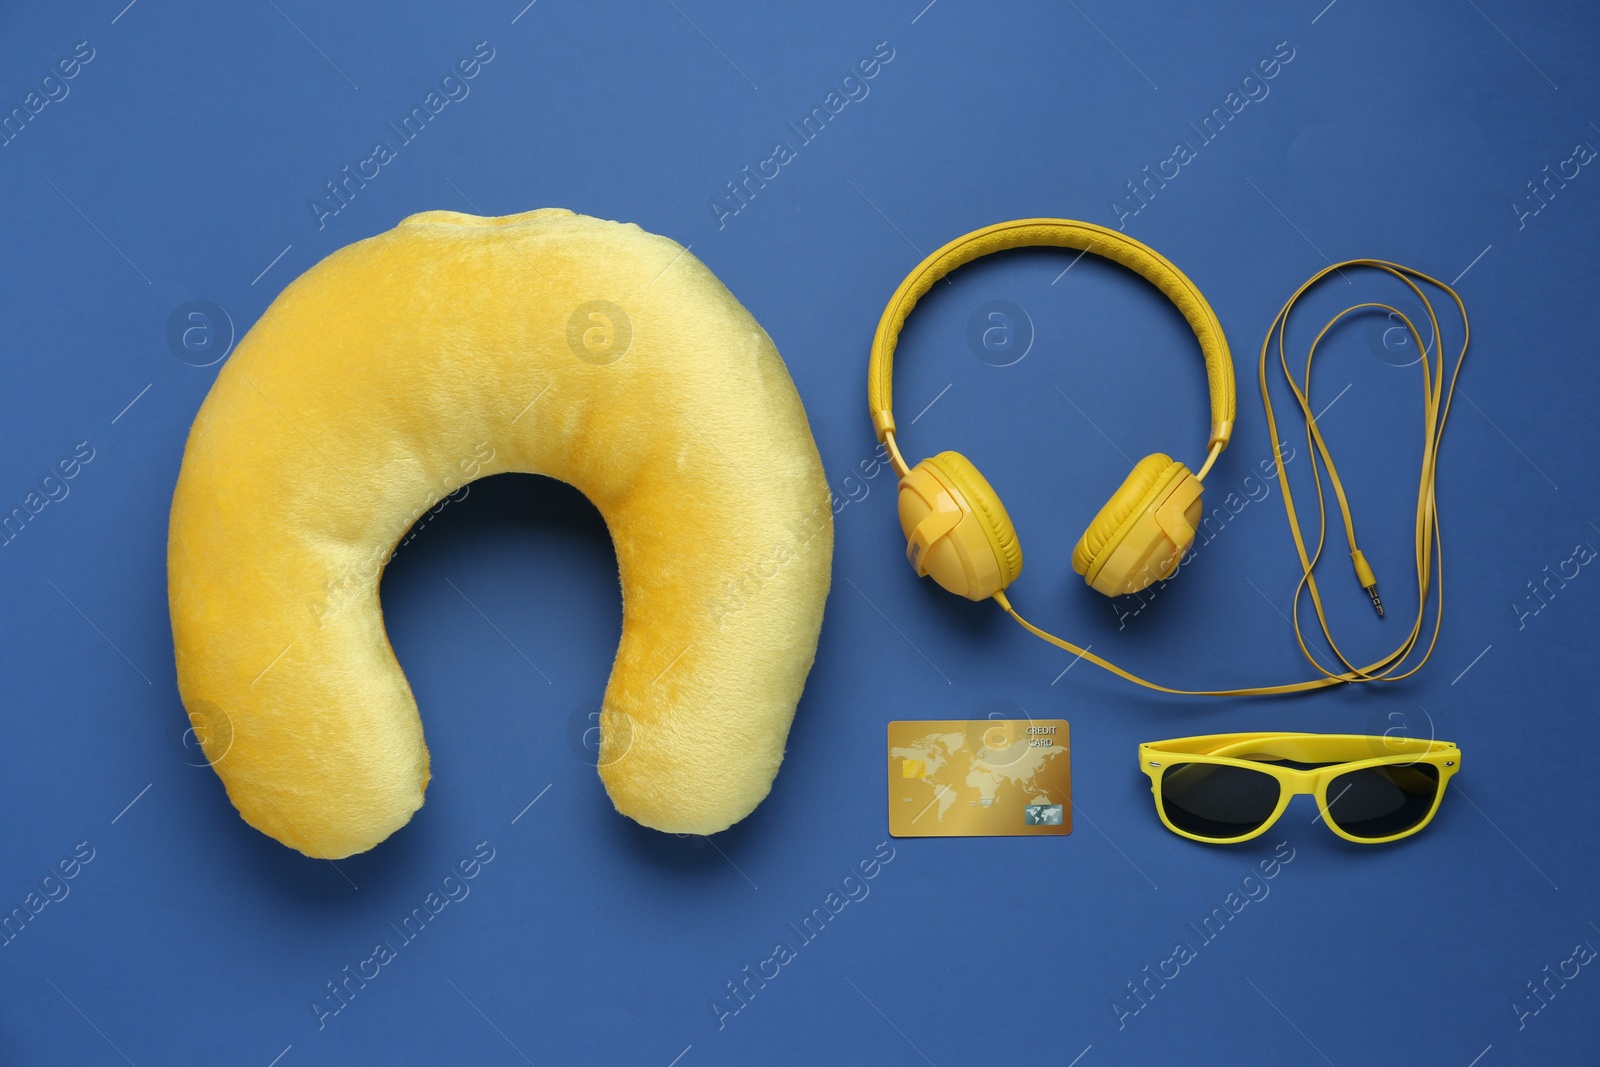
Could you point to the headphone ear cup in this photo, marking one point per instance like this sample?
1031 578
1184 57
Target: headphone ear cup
1146 525
957 531
991 513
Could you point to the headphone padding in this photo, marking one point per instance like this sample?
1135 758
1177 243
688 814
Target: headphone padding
1135 494
986 505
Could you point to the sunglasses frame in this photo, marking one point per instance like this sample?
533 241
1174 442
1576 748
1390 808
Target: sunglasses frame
1228 750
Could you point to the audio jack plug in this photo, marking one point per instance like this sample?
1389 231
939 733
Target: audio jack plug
1368 580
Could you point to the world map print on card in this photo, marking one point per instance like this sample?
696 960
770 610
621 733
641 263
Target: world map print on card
979 778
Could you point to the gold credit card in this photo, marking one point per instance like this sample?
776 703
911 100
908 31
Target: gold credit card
979 778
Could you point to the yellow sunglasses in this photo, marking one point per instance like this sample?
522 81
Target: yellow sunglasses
1223 788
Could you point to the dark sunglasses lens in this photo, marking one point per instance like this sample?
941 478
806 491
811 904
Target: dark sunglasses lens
1217 801
1383 801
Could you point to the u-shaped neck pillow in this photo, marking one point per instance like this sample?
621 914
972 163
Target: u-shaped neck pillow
450 348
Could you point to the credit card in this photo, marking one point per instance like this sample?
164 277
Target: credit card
979 778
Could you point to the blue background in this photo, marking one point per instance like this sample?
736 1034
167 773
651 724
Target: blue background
181 166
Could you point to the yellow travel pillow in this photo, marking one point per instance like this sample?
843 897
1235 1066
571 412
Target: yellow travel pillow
454 347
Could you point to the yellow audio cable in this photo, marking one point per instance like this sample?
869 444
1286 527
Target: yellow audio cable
1436 409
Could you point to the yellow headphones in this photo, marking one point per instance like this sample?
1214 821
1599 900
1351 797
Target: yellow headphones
957 530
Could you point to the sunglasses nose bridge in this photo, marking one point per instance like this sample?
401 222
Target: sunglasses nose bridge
1293 783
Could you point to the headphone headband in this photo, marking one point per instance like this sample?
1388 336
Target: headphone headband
1061 233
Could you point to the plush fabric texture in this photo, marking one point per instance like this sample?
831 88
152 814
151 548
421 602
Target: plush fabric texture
454 347
991 512
1137 492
